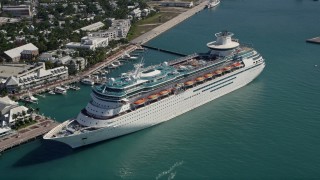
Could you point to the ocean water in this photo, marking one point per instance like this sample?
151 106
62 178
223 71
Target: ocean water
268 129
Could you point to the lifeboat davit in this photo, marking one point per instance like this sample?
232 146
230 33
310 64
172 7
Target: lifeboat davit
209 75
189 83
140 101
153 96
164 92
200 79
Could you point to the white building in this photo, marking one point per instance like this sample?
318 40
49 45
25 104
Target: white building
136 13
119 29
22 76
88 42
10 112
92 27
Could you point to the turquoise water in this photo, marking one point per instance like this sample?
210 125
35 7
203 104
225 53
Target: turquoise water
266 130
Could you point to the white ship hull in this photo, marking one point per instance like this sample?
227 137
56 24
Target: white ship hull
164 109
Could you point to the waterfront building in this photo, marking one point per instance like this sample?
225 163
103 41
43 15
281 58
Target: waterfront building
18 11
11 111
88 42
23 76
119 29
27 52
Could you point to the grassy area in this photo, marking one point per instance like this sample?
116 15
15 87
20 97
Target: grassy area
149 23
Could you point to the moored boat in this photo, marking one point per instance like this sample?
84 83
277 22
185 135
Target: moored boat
87 81
60 90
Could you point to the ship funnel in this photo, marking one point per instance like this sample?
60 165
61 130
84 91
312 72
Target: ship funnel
224 43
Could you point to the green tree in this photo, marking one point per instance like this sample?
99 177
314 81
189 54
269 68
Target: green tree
49 65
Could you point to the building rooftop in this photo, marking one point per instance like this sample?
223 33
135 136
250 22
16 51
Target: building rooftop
93 27
8 70
13 53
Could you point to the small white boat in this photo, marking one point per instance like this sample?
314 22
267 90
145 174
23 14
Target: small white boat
76 88
87 81
60 90
51 92
65 87
133 57
41 95
126 55
212 3
30 99
114 65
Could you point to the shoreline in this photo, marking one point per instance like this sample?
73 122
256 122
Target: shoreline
144 38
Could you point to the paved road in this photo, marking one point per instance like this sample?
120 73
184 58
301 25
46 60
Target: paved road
42 126
169 24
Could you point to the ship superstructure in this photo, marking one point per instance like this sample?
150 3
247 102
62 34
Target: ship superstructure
148 96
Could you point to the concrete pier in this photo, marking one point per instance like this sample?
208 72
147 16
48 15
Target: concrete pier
315 40
164 50
27 134
169 24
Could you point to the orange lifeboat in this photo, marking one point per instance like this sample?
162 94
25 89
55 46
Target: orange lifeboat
228 68
140 101
218 72
164 92
200 79
153 96
189 83
237 65
209 75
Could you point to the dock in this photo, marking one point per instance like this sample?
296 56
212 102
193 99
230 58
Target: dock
315 40
169 24
163 50
27 134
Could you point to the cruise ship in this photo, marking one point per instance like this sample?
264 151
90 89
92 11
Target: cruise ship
147 96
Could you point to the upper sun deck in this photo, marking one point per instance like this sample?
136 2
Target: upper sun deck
145 79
